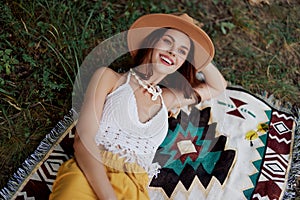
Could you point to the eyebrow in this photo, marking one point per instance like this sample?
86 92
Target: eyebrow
174 41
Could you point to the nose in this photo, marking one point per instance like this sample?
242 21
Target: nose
171 52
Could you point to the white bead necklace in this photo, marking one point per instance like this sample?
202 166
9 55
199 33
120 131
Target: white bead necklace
155 91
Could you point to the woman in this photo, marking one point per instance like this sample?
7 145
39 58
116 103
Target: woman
124 117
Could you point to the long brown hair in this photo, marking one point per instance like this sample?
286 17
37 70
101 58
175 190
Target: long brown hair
184 83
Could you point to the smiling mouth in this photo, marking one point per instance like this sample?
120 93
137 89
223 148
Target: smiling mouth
166 60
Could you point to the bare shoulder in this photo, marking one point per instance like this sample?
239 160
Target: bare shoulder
169 97
107 73
175 99
105 78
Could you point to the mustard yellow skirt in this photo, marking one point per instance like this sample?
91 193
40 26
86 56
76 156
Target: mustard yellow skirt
71 183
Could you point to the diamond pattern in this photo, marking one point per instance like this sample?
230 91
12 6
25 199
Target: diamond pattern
281 127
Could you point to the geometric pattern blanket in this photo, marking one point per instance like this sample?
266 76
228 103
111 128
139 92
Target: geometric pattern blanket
236 146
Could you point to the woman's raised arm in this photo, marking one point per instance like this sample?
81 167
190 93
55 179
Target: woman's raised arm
214 85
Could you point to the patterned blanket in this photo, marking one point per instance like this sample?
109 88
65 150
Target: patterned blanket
236 146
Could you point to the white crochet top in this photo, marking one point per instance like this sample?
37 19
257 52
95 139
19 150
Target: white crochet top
121 132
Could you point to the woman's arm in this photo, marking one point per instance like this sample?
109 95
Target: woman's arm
86 151
214 85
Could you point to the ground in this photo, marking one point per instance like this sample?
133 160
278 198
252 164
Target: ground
43 43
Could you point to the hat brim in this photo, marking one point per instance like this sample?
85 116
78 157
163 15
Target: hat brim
142 27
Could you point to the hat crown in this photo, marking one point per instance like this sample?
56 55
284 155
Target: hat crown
187 18
190 20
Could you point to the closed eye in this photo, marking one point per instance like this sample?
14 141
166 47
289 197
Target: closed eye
167 41
182 52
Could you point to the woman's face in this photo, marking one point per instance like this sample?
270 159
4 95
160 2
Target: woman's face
171 51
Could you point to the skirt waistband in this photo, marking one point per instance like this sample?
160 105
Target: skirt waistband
115 163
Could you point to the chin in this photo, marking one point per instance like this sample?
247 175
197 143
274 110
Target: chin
166 69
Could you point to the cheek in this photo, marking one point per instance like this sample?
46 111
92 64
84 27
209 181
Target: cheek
160 46
154 55
181 60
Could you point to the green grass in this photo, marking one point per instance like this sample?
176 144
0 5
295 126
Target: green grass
43 43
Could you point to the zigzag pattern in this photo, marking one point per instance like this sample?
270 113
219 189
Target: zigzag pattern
257 195
24 195
44 177
210 160
47 172
273 155
282 116
280 140
275 163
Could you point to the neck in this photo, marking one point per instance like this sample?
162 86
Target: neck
154 79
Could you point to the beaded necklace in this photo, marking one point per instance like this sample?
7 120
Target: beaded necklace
155 91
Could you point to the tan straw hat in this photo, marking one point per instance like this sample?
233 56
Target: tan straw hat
143 26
